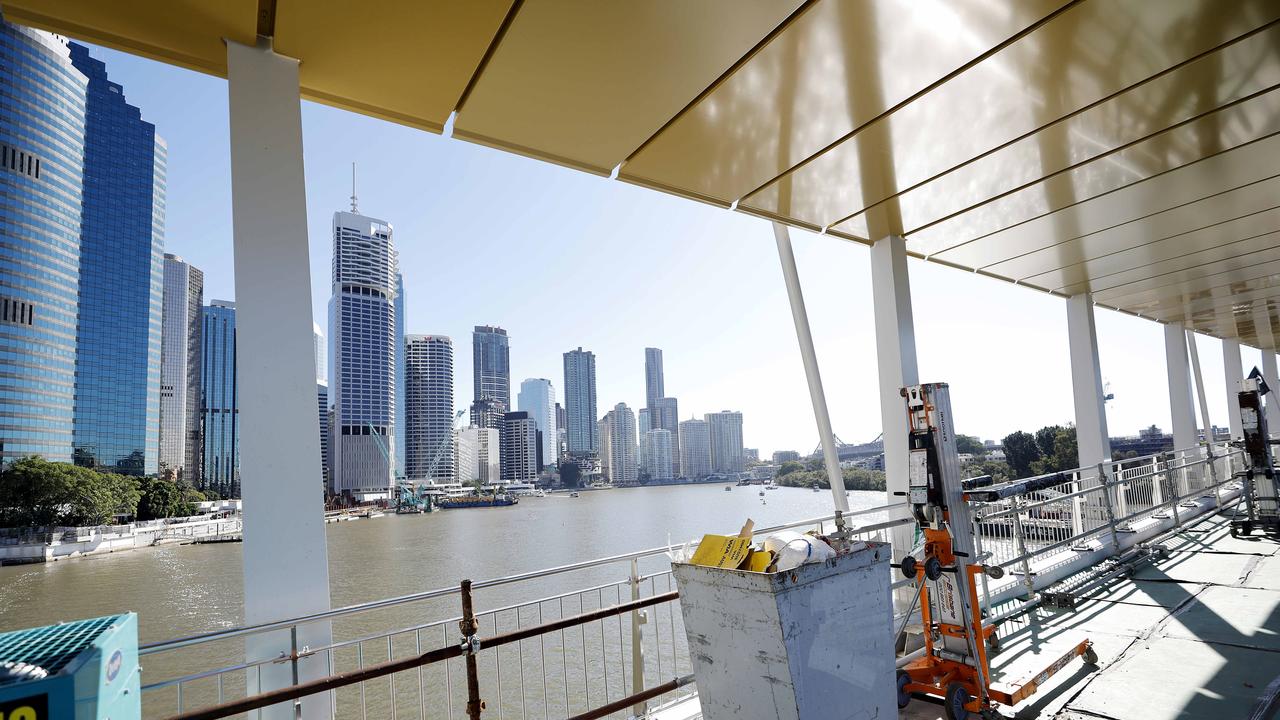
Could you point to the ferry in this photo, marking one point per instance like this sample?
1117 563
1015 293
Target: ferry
518 489
477 501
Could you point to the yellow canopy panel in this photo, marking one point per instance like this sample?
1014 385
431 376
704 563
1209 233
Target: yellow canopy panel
1127 148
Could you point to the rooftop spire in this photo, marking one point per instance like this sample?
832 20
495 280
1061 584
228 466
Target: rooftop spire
354 209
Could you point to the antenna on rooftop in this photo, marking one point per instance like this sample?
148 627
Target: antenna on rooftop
354 209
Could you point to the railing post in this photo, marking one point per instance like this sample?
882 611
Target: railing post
293 662
1157 485
1110 507
1211 461
638 619
1020 540
1077 505
469 626
1173 488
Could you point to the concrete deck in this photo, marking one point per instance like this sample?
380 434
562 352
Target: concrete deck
1196 635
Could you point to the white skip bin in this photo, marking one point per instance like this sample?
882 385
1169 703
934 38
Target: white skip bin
813 643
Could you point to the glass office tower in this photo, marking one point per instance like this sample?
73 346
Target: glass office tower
42 129
117 399
220 451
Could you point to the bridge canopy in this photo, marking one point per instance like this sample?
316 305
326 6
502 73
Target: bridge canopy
1122 148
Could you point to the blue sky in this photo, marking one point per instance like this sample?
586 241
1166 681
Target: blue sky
563 259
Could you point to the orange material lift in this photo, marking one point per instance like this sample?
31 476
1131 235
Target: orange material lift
955 666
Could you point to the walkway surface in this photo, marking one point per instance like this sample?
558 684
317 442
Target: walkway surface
1194 635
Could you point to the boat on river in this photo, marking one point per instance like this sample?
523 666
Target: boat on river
476 501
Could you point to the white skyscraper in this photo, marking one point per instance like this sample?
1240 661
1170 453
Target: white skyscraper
658 444
620 427
724 430
581 435
695 449
181 444
428 411
643 426
538 398
478 455
365 267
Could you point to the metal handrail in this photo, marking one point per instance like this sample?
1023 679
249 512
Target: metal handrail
246 630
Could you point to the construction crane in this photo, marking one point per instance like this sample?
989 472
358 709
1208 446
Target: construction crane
412 499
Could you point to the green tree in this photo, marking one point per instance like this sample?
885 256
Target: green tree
160 499
1045 439
1064 453
970 444
788 467
33 492
1020 451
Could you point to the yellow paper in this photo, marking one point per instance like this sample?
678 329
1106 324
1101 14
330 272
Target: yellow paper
757 561
721 551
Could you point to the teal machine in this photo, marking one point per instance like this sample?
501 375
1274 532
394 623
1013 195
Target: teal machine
83 670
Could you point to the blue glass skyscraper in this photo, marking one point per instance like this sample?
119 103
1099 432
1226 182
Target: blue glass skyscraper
117 399
42 129
220 457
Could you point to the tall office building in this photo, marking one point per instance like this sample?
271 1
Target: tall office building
560 431
724 430
428 410
487 414
538 398
321 351
180 444
479 455
620 427
695 449
580 401
665 415
643 426
491 362
659 445
654 387
519 445
398 419
42 139
220 451
365 268
121 278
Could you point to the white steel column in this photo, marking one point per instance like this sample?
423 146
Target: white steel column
800 317
1234 376
1086 382
286 572
896 362
1093 442
1201 400
1272 402
1180 405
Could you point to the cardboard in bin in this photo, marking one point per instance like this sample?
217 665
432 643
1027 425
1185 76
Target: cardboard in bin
812 642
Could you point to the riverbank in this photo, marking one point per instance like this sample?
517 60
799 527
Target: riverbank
64 543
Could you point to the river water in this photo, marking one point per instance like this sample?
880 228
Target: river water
180 590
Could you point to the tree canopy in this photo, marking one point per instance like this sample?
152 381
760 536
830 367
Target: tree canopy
970 444
35 492
1052 448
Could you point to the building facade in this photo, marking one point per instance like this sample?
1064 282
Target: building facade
654 387
580 402
398 416
121 281
538 398
220 450
321 351
180 363
479 455
695 449
491 364
666 416
519 446
487 414
365 270
643 426
619 425
659 446
725 433
428 410
42 139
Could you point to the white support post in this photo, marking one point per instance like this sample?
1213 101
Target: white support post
896 362
1234 376
800 317
1272 402
1199 472
286 572
1094 444
1181 406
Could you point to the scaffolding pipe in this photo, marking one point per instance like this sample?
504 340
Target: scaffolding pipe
800 317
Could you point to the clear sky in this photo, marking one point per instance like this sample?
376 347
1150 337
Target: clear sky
563 259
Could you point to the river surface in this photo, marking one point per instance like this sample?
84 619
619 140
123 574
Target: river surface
179 590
